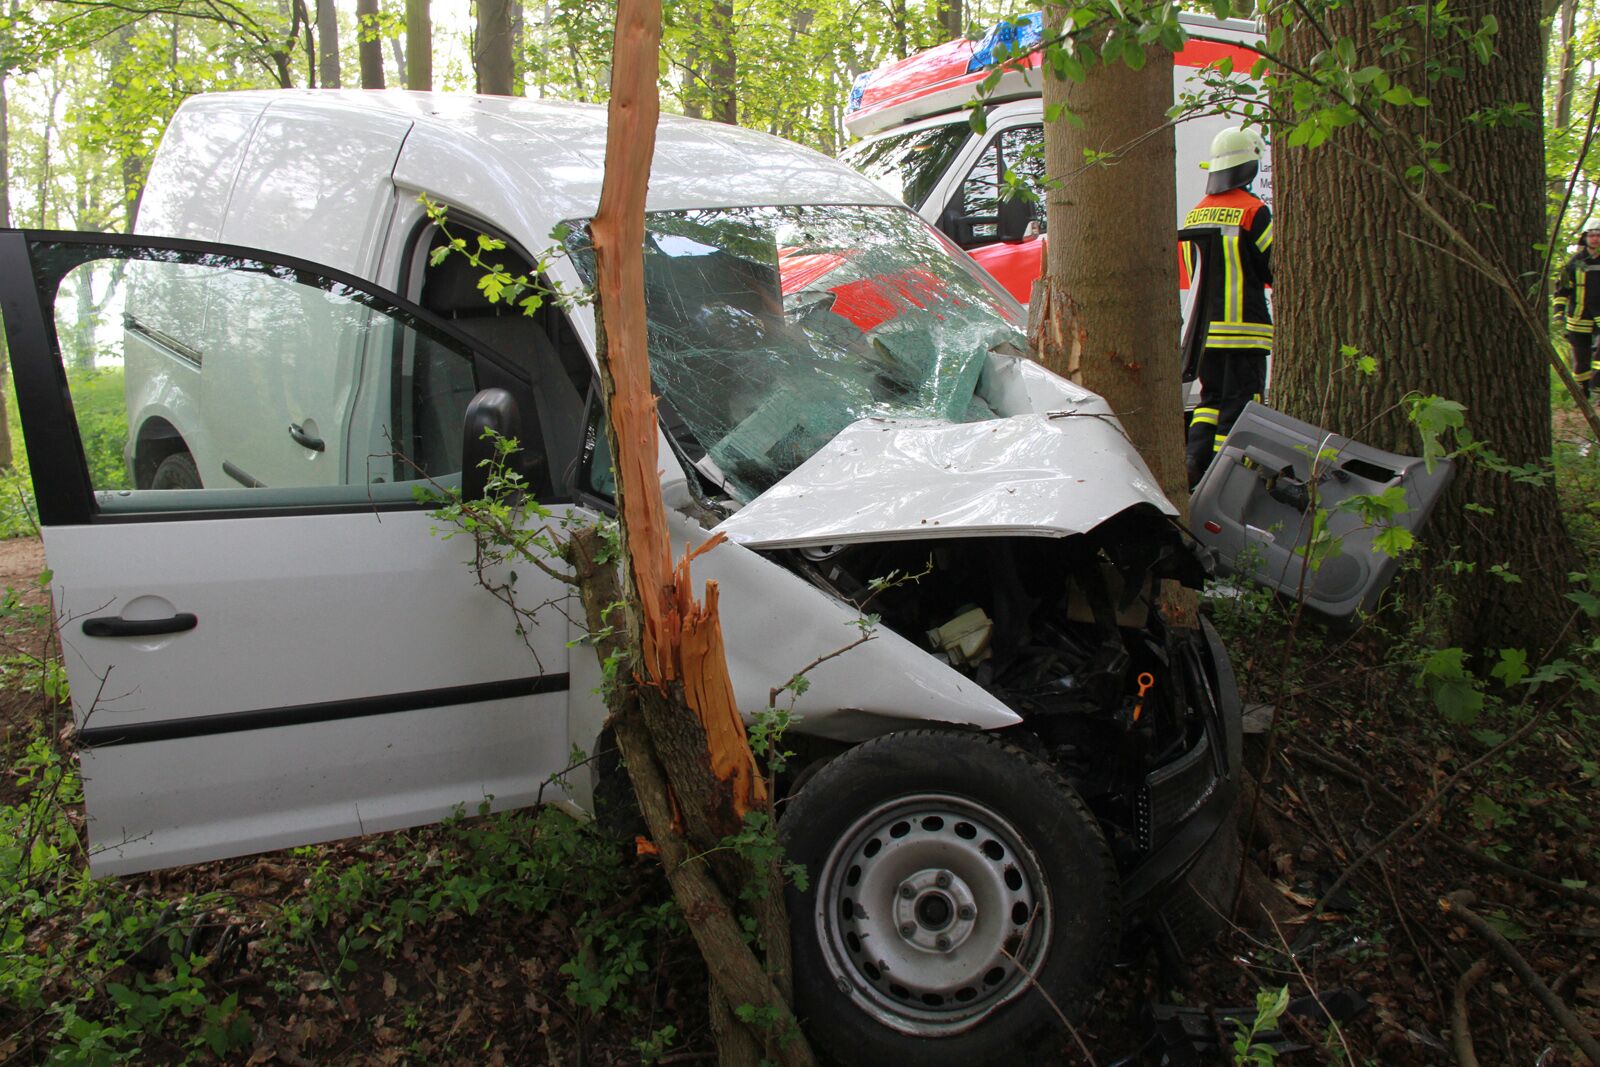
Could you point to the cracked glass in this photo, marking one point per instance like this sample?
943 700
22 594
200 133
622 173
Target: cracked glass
771 329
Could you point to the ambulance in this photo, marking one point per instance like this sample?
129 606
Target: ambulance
918 140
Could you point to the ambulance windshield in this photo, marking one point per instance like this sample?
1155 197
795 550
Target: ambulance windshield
773 328
908 165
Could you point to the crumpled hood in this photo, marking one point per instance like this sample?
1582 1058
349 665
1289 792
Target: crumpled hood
1034 475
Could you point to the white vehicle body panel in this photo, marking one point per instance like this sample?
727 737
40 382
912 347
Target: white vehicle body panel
294 612
1025 476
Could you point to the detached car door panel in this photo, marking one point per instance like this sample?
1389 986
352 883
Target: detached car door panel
276 646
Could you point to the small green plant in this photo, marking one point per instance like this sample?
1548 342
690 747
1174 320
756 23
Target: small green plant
1247 1052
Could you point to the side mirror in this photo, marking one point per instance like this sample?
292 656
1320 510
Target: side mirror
1016 215
491 409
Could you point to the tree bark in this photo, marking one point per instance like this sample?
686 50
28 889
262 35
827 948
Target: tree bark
722 70
1563 111
419 45
369 44
7 459
328 44
952 19
1105 314
677 716
519 35
492 47
1359 261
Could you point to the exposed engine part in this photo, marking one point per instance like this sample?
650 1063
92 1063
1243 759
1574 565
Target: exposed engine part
1063 631
964 640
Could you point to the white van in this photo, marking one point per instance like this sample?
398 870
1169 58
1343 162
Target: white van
918 141
269 644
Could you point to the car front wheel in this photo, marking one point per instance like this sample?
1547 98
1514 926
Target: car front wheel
958 893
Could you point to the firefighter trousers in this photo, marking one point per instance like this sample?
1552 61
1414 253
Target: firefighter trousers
1229 379
1581 346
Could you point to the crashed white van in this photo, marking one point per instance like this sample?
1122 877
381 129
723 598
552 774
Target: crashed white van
270 645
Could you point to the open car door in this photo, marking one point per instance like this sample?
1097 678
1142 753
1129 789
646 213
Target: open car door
268 643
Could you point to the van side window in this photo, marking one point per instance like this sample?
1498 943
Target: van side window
543 345
249 384
979 214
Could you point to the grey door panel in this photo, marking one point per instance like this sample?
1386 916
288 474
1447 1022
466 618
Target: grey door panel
1254 507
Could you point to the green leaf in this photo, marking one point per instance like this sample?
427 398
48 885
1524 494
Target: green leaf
1346 49
1454 694
1512 667
1399 95
1393 541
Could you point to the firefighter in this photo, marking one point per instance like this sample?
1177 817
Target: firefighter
1230 329
1578 302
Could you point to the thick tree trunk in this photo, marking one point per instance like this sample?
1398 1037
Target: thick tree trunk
369 44
1106 312
676 723
419 45
328 44
1357 263
492 47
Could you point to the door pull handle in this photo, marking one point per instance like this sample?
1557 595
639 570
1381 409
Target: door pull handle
116 626
305 440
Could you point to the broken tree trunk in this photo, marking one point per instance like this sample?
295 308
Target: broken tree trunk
673 712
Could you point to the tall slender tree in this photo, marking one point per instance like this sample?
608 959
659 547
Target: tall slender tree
419 45
369 44
328 44
491 47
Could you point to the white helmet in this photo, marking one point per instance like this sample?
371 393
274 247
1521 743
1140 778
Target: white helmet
1235 159
1590 225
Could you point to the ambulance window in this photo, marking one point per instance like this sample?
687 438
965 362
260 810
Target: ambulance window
980 198
909 165
1022 152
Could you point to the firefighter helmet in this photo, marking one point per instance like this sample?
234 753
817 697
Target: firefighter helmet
1590 225
1235 159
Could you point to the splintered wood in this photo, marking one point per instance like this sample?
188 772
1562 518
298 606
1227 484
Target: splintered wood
681 638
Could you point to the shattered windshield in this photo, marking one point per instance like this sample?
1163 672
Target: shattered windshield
773 328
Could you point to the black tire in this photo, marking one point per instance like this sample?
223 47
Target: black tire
177 471
918 836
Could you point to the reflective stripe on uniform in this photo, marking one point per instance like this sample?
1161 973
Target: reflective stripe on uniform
1205 415
1233 280
1579 325
1264 242
1239 335
1221 439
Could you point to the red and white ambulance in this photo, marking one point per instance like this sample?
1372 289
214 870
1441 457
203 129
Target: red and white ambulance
918 141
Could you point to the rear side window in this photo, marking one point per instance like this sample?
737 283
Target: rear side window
909 165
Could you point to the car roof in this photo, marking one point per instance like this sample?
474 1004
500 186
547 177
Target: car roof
553 151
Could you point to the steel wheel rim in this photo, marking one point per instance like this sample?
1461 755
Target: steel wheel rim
932 912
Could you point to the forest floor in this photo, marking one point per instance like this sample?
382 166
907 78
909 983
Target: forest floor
525 938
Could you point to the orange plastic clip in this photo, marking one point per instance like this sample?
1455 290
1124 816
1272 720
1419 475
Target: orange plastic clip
1146 681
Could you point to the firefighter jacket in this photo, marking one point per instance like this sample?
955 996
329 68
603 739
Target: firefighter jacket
1578 292
1231 234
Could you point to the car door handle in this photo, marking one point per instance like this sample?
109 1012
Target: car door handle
116 626
305 440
